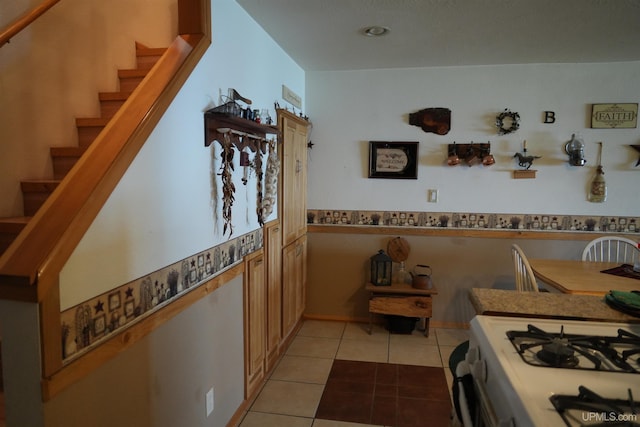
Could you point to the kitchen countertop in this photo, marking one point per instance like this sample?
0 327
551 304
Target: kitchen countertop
500 302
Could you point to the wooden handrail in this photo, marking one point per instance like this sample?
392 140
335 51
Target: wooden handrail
25 20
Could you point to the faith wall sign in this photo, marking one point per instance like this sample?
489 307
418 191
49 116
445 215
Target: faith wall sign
614 116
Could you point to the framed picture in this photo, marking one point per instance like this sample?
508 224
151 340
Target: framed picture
393 159
614 116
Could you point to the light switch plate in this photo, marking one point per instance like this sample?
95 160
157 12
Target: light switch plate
432 196
209 399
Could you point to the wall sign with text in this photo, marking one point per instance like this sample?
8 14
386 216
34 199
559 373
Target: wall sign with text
614 116
392 159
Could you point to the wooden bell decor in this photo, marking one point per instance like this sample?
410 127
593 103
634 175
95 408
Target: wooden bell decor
434 120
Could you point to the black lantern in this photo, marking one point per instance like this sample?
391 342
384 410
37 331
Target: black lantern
381 269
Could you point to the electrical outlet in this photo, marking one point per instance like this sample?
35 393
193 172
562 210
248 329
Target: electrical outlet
432 196
209 401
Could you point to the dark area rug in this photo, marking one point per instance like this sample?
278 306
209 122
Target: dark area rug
386 394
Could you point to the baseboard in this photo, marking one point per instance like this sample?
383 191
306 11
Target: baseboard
378 320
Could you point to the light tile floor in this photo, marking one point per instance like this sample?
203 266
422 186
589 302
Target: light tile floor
291 395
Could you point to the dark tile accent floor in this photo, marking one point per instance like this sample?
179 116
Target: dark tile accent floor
385 394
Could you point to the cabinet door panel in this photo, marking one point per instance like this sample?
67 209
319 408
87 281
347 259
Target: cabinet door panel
254 318
289 279
294 176
273 245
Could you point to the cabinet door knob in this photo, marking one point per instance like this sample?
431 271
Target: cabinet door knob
420 304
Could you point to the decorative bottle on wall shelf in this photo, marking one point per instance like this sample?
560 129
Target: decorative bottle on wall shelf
598 188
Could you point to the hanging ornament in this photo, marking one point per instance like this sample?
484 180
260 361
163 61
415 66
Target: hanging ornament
245 163
598 189
257 164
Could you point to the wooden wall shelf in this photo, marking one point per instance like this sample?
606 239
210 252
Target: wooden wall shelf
243 132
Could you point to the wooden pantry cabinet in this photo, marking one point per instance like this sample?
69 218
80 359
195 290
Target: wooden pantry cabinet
293 182
275 276
292 212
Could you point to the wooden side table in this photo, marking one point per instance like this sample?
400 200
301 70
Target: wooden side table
400 299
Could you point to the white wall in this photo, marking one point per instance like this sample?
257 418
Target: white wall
350 108
161 211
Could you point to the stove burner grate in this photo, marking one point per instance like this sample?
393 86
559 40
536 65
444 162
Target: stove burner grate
590 409
559 350
558 355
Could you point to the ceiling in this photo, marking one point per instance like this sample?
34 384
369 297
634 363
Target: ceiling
323 35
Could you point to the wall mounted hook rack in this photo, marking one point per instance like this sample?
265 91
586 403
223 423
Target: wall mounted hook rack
472 153
242 132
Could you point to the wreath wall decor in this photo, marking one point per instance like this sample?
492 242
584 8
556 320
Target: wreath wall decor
507 122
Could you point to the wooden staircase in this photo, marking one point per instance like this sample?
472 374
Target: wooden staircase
35 192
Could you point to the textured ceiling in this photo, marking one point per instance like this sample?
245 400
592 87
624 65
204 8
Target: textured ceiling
325 34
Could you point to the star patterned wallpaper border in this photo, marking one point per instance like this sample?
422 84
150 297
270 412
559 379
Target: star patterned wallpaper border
475 220
91 322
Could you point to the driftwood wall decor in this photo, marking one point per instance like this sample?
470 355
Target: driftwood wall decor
434 120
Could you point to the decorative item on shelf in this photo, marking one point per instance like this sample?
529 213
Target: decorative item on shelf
471 153
575 149
434 120
452 157
507 122
270 180
637 148
398 249
598 188
228 188
245 163
257 165
381 267
525 161
487 157
421 277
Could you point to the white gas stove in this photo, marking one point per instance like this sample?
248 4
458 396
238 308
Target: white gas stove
518 364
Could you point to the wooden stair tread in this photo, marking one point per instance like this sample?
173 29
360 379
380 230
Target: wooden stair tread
13 224
135 72
92 121
39 185
151 51
113 96
67 151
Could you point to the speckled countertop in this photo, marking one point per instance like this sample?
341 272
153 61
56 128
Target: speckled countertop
500 302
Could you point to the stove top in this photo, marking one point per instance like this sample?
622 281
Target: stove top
530 361
615 352
587 408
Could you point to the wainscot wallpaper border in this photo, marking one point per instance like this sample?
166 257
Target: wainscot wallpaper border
88 324
476 221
